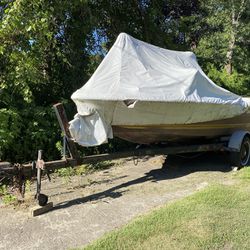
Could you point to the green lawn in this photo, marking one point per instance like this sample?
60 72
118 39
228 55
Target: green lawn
216 218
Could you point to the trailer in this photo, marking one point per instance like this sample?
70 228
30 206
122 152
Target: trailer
237 146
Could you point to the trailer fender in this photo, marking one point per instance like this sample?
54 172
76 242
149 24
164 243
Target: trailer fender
236 139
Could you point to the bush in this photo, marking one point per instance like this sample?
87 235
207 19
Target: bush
23 133
236 82
10 129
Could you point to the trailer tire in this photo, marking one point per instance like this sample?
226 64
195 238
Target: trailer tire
241 158
42 200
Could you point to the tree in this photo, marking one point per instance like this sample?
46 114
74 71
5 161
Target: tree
223 48
237 10
163 23
48 49
43 59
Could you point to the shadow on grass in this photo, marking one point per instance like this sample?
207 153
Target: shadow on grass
174 167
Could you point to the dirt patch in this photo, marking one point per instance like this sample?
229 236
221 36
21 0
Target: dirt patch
88 206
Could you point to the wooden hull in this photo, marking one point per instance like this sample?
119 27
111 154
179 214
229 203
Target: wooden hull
147 134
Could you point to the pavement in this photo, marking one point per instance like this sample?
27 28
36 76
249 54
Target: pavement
88 206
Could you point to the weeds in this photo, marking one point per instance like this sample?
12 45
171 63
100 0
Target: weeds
28 186
69 172
102 165
6 196
66 174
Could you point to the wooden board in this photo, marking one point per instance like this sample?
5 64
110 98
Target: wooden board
64 124
38 210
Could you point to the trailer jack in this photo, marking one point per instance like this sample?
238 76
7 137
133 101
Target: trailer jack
42 199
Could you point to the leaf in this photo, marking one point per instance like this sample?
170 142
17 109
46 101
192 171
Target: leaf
29 28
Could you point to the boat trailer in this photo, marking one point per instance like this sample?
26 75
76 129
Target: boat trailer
237 145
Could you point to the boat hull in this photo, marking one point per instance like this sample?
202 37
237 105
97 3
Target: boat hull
148 134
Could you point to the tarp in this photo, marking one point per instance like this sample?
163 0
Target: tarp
134 71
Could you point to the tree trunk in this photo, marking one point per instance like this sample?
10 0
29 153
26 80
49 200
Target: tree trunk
234 32
229 56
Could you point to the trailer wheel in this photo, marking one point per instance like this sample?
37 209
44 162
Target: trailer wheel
241 158
42 199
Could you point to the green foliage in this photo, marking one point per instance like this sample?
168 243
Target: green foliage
7 197
23 133
48 49
81 170
84 169
68 172
65 172
27 186
225 40
3 189
9 130
42 61
163 23
236 82
100 165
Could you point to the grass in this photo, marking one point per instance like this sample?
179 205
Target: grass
217 217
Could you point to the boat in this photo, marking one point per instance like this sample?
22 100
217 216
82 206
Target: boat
199 132
146 94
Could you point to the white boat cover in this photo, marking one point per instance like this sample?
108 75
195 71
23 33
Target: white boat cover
134 71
